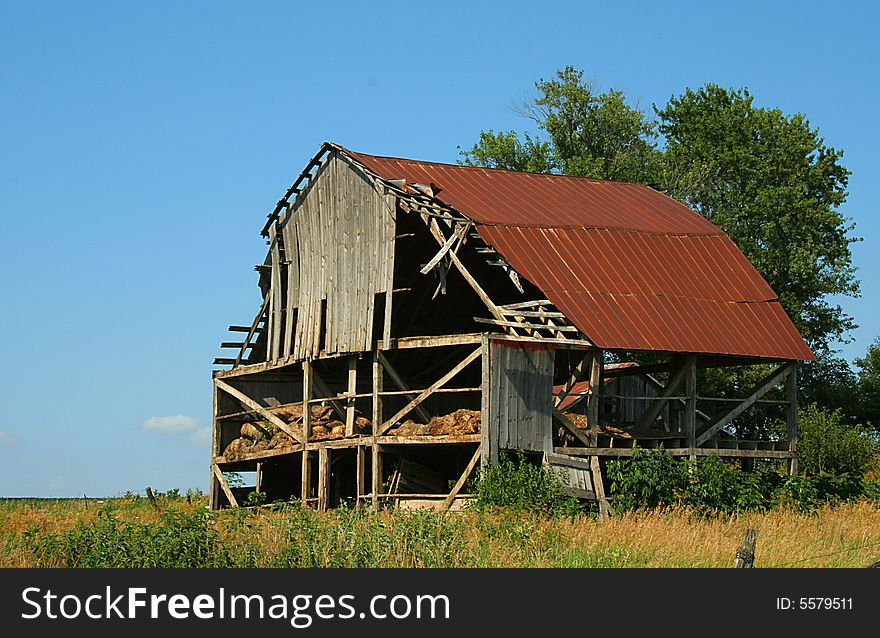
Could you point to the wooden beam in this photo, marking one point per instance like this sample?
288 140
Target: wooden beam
447 503
791 416
430 390
307 394
253 329
438 235
605 511
391 204
459 233
360 475
259 477
378 382
352 390
306 477
655 408
323 479
595 398
376 478
218 474
522 324
397 380
685 451
763 387
248 402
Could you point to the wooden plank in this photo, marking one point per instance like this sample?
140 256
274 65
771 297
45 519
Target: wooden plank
457 236
522 324
390 203
763 387
569 461
541 314
487 431
525 304
259 476
449 500
791 416
475 286
218 475
685 451
430 390
253 329
406 343
248 402
398 380
440 439
352 390
605 510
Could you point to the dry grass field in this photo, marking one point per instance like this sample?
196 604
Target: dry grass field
129 533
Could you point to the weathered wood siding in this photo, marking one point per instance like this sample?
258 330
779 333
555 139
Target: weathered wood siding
332 255
519 406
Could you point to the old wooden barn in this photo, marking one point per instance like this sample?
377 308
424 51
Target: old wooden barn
417 318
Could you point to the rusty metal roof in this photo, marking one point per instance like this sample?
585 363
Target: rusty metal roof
629 266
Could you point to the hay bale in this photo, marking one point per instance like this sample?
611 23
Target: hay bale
250 430
237 449
319 432
363 425
321 413
337 431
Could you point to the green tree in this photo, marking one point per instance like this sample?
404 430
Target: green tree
591 134
868 394
770 182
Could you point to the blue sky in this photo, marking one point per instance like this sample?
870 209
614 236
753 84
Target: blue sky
142 144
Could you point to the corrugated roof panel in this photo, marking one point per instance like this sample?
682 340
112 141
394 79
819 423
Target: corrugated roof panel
629 266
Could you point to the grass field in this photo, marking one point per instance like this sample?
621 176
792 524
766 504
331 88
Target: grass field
129 533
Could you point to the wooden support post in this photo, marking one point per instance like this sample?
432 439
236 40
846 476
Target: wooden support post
605 511
402 385
306 483
791 416
488 436
745 553
442 381
449 500
323 478
224 485
259 477
213 484
690 403
307 394
377 390
352 390
595 397
360 476
656 407
377 475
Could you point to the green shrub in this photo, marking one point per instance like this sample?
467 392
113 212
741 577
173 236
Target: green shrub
518 484
717 486
649 478
829 445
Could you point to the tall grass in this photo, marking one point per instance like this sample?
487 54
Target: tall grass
129 534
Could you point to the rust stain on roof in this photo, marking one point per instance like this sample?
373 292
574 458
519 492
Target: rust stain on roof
631 267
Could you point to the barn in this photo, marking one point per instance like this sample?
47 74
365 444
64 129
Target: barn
416 319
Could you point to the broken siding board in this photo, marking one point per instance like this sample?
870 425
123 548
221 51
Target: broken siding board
291 253
520 408
387 206
275 314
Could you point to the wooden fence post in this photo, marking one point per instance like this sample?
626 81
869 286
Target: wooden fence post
745 553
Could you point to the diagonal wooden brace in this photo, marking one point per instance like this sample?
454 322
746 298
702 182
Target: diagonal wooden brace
442 381
250 404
